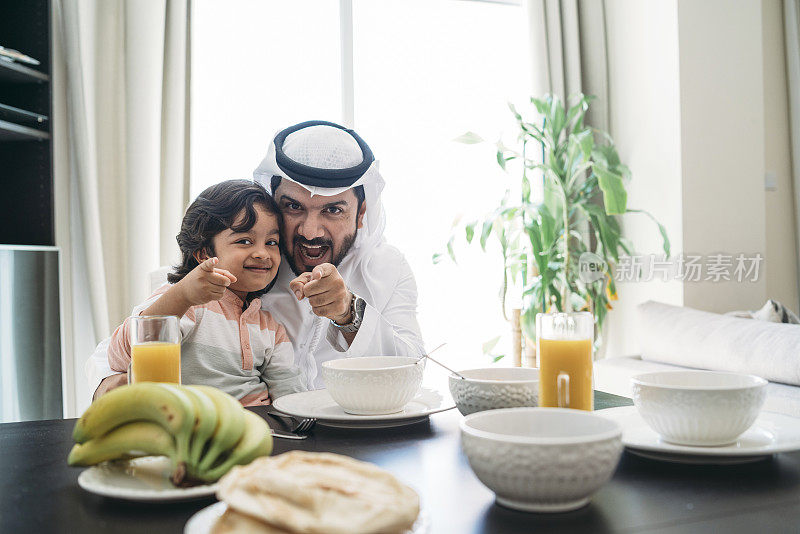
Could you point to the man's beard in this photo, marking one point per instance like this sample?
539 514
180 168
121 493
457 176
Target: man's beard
319 241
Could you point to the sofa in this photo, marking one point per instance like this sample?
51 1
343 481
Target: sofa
674 338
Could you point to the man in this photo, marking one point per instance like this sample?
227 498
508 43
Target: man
343 291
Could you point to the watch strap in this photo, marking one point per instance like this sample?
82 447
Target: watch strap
357 306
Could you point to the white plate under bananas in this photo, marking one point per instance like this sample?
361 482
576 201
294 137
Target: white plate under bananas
141 479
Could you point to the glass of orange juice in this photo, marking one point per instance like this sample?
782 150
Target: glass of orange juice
155 349
564 342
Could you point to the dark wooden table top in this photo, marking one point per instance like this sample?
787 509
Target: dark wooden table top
40 493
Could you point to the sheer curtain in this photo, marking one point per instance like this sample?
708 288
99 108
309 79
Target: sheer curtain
791 17
125 92
569 53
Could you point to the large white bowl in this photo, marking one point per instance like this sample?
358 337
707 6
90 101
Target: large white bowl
541 459
701 408
492 388
373 385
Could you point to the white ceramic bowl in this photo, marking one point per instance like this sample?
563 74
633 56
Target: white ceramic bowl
541 459
373 385
495 387
702 408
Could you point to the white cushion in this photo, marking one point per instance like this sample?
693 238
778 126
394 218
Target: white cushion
159 277
683 336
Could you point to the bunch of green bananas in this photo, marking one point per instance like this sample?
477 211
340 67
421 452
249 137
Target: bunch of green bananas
203 430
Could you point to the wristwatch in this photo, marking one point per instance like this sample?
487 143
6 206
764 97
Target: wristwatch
357 307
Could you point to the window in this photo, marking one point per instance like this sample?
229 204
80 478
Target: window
257 65
423 72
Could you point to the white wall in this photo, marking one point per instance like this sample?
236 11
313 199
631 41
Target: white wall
698 111
722 143
644 102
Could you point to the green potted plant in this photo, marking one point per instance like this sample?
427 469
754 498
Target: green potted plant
584 185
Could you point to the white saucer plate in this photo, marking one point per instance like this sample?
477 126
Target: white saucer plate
141 479
698 460
772 433
203 521
321 406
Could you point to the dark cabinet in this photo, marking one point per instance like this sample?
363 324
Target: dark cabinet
31 367
26 153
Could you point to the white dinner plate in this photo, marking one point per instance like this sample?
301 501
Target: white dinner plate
141 479
771 433
321 406
202 521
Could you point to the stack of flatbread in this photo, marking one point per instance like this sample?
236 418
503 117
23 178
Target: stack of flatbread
314 493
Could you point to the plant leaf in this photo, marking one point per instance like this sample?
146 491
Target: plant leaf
586 140
489 345
542 106
469 138
558 117
469 230
615 197
450 250
485 231
498 358
661 229
501 160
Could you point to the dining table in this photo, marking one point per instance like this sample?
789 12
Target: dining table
40 493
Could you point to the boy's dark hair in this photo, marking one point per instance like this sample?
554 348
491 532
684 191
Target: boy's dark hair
214 211
358 190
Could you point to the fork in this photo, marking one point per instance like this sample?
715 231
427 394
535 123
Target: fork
297 425
286 435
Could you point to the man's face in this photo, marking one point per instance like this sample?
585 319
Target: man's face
317 230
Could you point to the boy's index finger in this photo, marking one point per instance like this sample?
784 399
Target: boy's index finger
226 274
209 264
219 279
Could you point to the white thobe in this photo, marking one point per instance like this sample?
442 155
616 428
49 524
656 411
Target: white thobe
382 277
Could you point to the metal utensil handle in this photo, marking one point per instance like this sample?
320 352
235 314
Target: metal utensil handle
423 356
437 362
286 435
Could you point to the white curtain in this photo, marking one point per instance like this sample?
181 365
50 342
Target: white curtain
791 17
127 72
568 47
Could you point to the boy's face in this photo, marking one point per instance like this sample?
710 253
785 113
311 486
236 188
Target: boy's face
253 257
318 229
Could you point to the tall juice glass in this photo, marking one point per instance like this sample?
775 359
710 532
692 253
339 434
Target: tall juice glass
155 349
564 342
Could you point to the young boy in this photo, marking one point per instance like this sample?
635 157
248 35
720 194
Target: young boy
230 256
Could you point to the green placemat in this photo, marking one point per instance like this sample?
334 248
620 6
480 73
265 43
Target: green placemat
603 400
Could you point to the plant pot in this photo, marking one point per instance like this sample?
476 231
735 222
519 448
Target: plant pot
529 353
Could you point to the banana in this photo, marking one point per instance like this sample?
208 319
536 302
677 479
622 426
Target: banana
183 437
203 430
167 407
230 425
205 422
140 436
256 441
